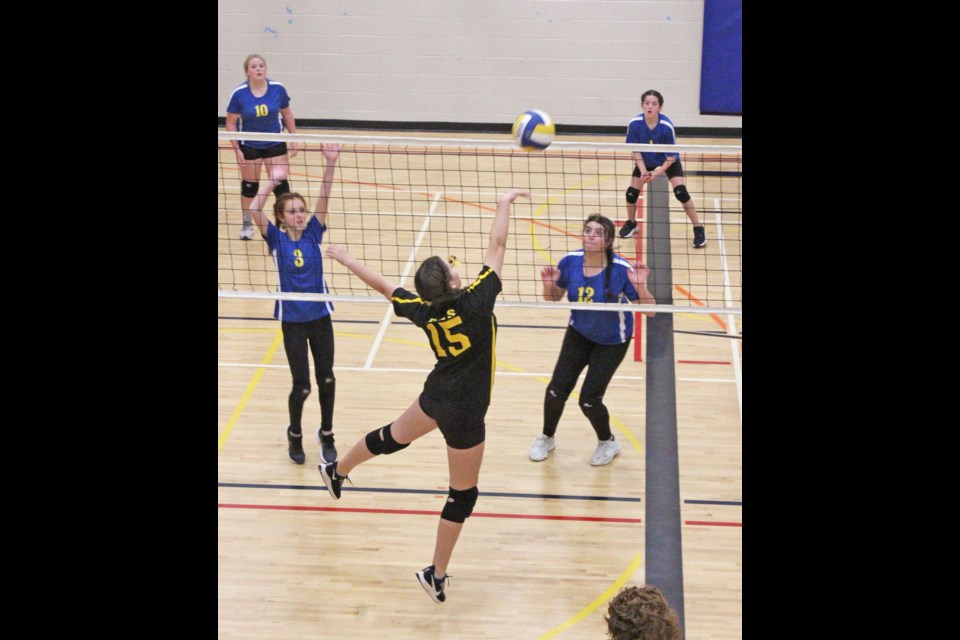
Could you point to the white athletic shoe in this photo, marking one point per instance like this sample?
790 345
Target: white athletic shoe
542 447
246 232
606 451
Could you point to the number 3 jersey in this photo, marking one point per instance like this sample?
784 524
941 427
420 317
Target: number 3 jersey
463 336
603 327
299 266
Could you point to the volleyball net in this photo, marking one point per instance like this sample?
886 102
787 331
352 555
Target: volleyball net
398 200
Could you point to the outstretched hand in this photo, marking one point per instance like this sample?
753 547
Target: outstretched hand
331 150
549 274
338 253
512 194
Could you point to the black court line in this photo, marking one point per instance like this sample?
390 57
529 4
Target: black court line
714 174
433 492
711 334
663 545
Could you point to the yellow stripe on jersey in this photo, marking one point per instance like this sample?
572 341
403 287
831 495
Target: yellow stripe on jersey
480 279
493 351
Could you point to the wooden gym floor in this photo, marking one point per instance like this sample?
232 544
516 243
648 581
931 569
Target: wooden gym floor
549 543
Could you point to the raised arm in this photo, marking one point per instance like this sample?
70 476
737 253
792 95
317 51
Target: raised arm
259 200
500 228
638 276
331 152
372 278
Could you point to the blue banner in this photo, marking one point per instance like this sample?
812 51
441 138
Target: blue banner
721 69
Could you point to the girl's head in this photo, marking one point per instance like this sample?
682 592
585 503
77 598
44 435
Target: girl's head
290 211
641 612
653 97
255 65
437 280
598 233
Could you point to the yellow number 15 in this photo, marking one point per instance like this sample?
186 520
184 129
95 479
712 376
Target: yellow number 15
456 343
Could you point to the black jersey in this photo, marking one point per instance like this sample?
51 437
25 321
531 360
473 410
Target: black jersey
463 336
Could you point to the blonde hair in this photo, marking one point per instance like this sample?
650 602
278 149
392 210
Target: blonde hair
246 62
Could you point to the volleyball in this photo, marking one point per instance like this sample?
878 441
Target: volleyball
533 130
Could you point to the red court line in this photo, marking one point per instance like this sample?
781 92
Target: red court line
638 317
713 524
425 513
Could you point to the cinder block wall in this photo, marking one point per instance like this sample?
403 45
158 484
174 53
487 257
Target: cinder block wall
471 61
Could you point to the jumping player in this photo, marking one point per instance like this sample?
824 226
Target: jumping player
461 328
294 242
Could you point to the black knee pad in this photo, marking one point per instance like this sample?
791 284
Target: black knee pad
460 504
681 192
385 446
249 189
632 195
299 394
327 385
593 407
282 187
554 396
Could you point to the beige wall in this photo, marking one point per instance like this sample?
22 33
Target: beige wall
470 61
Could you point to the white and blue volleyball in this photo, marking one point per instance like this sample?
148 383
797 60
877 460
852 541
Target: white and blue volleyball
533 130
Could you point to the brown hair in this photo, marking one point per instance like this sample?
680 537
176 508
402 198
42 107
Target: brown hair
649 92
279 205
432 281
608 232
641 613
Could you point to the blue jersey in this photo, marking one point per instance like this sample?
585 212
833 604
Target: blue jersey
300 267
662 133
259 115
602 327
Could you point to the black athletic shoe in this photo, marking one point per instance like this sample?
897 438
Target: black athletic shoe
295 446
327 449
699 238
332 479
629 229
432 585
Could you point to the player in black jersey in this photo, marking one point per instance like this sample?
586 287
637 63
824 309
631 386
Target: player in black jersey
462 331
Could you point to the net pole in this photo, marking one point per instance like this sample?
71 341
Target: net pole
638 316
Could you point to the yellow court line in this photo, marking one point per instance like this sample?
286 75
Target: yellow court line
600 601
248 392
539 212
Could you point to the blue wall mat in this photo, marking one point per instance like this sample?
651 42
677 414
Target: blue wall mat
721 70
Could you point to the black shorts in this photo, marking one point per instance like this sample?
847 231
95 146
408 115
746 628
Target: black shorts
673 171
462 425
252 153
